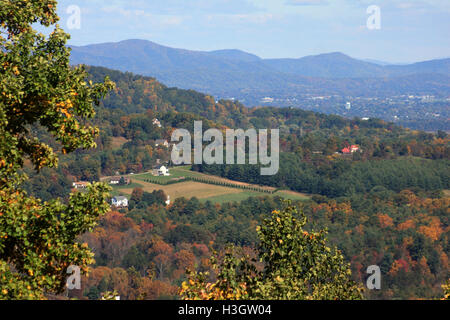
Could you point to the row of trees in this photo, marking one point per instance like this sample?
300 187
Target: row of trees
341 177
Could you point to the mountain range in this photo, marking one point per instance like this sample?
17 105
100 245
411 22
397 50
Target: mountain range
245 76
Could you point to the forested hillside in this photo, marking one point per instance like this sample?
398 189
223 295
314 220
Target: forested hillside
385 204
244 76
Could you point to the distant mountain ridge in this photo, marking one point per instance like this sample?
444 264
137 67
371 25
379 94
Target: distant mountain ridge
235 73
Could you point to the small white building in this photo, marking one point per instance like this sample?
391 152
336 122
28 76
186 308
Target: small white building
80 185
117 180
157 123
161 143
119 202
161 170
114 181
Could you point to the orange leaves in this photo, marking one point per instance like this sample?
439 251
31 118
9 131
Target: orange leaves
398 265
385 221
434 230
16 70
66 113
64 106
408 224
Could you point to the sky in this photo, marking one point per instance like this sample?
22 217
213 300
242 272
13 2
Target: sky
409 31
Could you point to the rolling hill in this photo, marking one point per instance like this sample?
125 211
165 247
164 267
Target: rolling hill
244 76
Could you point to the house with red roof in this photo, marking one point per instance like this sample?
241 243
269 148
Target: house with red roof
350 149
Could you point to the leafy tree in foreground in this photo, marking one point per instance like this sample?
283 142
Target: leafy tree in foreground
38 87
446 288
298 265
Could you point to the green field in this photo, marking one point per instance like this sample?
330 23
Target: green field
237 197
175 173
202 191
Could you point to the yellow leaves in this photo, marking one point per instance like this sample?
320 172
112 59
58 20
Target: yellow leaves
5 292
16 70
66 113
64 106
30 272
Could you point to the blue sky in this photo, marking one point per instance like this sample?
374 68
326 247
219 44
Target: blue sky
410 30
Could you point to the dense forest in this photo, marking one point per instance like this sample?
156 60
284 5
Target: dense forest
385 204
143 253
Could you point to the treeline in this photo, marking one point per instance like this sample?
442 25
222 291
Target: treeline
210 181
341 177
136 94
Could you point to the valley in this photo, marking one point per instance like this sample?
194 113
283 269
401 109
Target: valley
214 191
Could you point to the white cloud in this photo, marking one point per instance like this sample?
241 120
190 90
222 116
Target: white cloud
253 18
179 7
307 2
153 19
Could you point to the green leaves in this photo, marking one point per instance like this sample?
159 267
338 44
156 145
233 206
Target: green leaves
298 265
38 86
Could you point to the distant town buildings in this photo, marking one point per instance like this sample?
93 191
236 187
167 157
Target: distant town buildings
267 100
119 202
427 99
348 106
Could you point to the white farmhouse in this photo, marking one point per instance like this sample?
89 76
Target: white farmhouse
119 202
161 171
